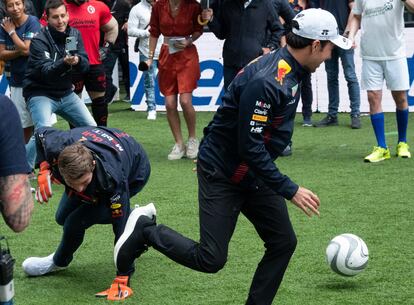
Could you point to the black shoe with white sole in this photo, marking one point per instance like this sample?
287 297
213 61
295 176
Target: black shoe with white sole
131 244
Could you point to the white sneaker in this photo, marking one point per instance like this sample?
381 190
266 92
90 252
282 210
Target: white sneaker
128 241
36 266
152 115
177 152
192 148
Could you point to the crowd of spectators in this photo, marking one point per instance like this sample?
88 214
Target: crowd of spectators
249 29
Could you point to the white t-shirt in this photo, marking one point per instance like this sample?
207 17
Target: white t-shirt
382 29
138 21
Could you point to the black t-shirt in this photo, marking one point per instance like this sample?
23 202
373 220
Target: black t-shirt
340 9
12 150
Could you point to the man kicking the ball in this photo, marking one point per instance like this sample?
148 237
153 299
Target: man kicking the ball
236 169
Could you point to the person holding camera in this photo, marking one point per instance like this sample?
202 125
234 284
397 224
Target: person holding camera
55 54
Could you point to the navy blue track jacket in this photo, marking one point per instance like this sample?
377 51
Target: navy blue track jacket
255 123
122 166
46 73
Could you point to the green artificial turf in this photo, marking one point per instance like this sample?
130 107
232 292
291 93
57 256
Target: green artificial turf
374 201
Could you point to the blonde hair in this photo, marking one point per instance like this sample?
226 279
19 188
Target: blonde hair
75 161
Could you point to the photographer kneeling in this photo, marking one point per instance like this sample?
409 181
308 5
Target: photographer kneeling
55 53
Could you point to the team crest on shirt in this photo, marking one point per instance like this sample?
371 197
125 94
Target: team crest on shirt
28 35
283 69
91 9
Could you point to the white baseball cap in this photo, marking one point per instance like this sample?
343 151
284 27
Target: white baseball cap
318 24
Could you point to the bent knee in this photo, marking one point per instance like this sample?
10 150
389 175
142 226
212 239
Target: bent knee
60 220
292 242
213 265
287 244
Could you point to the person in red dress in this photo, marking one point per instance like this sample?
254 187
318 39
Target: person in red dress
178 66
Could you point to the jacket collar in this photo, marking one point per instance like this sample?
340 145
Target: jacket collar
300 71
58 37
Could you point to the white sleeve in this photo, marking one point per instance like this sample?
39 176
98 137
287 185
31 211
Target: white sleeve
135 26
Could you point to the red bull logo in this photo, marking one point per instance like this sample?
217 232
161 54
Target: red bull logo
283 69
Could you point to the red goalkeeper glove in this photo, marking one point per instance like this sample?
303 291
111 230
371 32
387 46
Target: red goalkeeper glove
44 185
118 291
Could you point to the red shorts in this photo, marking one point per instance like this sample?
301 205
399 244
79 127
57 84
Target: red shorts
94 80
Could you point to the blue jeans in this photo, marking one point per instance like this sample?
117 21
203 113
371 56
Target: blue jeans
332 71
149 82
69 107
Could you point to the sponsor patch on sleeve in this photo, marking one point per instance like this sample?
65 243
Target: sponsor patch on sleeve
259 118
256 129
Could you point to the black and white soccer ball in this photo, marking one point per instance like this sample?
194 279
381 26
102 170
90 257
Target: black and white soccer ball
347 254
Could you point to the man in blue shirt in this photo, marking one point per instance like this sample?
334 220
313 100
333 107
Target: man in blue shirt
16 33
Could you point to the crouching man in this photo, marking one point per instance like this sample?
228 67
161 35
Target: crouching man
101 169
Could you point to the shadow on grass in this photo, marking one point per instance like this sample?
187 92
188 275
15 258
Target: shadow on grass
343 285
121 107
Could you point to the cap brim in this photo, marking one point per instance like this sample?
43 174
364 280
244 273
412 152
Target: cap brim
342 42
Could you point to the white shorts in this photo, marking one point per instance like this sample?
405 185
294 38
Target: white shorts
395 73
16 95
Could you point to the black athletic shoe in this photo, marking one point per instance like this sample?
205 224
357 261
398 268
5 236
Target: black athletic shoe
327 121
131 244
111 94
355 122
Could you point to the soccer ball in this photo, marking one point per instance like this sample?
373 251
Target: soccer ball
347 254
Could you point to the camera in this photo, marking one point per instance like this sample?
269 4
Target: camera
71 45
6 274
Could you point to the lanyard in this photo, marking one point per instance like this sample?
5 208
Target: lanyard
53 42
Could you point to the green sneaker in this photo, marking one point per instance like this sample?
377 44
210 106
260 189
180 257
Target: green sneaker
378 154
403 150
